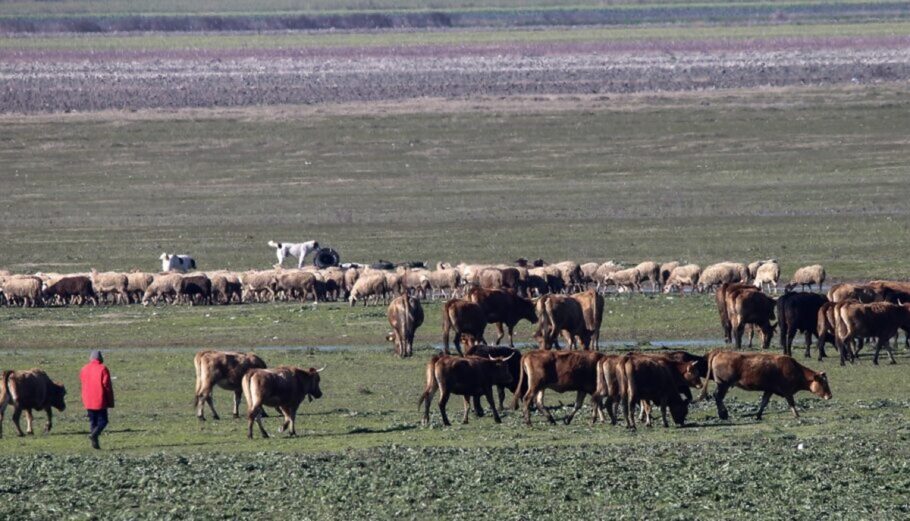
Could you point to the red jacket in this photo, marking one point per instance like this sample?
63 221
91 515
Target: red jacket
97 391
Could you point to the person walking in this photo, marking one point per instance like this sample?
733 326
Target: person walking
97 394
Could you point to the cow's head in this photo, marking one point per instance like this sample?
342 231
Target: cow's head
692 375
527 309
503 373
310 383
55 396
679 410
253 361
819 386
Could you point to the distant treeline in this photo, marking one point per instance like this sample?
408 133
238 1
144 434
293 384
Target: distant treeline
462 19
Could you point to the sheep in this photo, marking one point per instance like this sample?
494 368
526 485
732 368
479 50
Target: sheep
666 269
603 270
297 284
394 284
372 285
259 284
163 286
470 273
628 279
490 278
650 270
444 279
195 287
414 281
720 273
334 280
136 284
687 275
768 272
807 276
570 272
588 270
23 290
70 289
350 277
110 284
226 287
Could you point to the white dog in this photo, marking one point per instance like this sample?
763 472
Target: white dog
182 263
297 249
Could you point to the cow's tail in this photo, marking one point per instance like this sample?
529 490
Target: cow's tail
708 375
521 389
4 390
543 316
430 388
248 388
407 318
446 326
627 383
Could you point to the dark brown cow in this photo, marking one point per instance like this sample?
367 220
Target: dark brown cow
652 379
284 388
750 307
224 369
879 319
560 371
405 315
720 299
769 373
469 376
27 391
514 362
561 314
467 319
799 312
503 307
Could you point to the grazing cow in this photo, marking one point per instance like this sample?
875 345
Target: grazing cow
750 307
27 391
293 249
654 379
284 388
470 376
879 319
769 373
467 319
224 369
799 312
503 307
182 263
561 314
405 315
720 299
560 371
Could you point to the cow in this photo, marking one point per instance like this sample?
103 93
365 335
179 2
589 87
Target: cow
282 387
592 306
405 315
514 363
27 391
654 379
469 376
503 307
799 312
467 319
561 313
293 249
824 327
224 369
769 373
560 371
720 299
878 319
182 263
750 307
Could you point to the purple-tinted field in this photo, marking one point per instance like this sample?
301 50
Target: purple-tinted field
51 81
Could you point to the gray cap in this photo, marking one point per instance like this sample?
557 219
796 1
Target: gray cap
96 355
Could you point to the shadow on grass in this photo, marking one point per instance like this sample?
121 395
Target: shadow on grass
392 428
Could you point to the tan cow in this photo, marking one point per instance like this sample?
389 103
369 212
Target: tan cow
224 369
284 388
405 315
27 391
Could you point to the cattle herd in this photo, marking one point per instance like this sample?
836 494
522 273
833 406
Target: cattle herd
563 300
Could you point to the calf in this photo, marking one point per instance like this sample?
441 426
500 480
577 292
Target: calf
655 379
224 369
561 372
771 374
27 391
503 307
284 388
799 312
470 376
467 319
405 315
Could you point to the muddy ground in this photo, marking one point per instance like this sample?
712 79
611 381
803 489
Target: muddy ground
55 81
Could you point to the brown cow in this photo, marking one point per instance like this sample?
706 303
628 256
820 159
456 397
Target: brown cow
720 299
27 391
405 316
467 319
224 369
751 307
772 374
825 327
469 376
561 314
879 319
503 307
592 306
560 371
654 379
284 388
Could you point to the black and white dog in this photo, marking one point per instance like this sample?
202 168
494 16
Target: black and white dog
293 249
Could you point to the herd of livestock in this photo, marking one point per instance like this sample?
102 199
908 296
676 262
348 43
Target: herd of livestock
563 300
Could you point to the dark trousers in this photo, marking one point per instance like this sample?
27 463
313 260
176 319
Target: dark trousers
98 420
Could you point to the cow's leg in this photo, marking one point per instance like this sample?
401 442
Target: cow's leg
579 401
50 420
209 400
764 403
792 405
291 415
542 408
499 333
489 394
738 332
28 422
808 343
458 343
628 411
511 336
478 409
663 413
467 407
502 396
722 412
238 393
17 415
526 402
443 400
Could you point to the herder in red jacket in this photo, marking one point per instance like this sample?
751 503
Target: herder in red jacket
97 394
